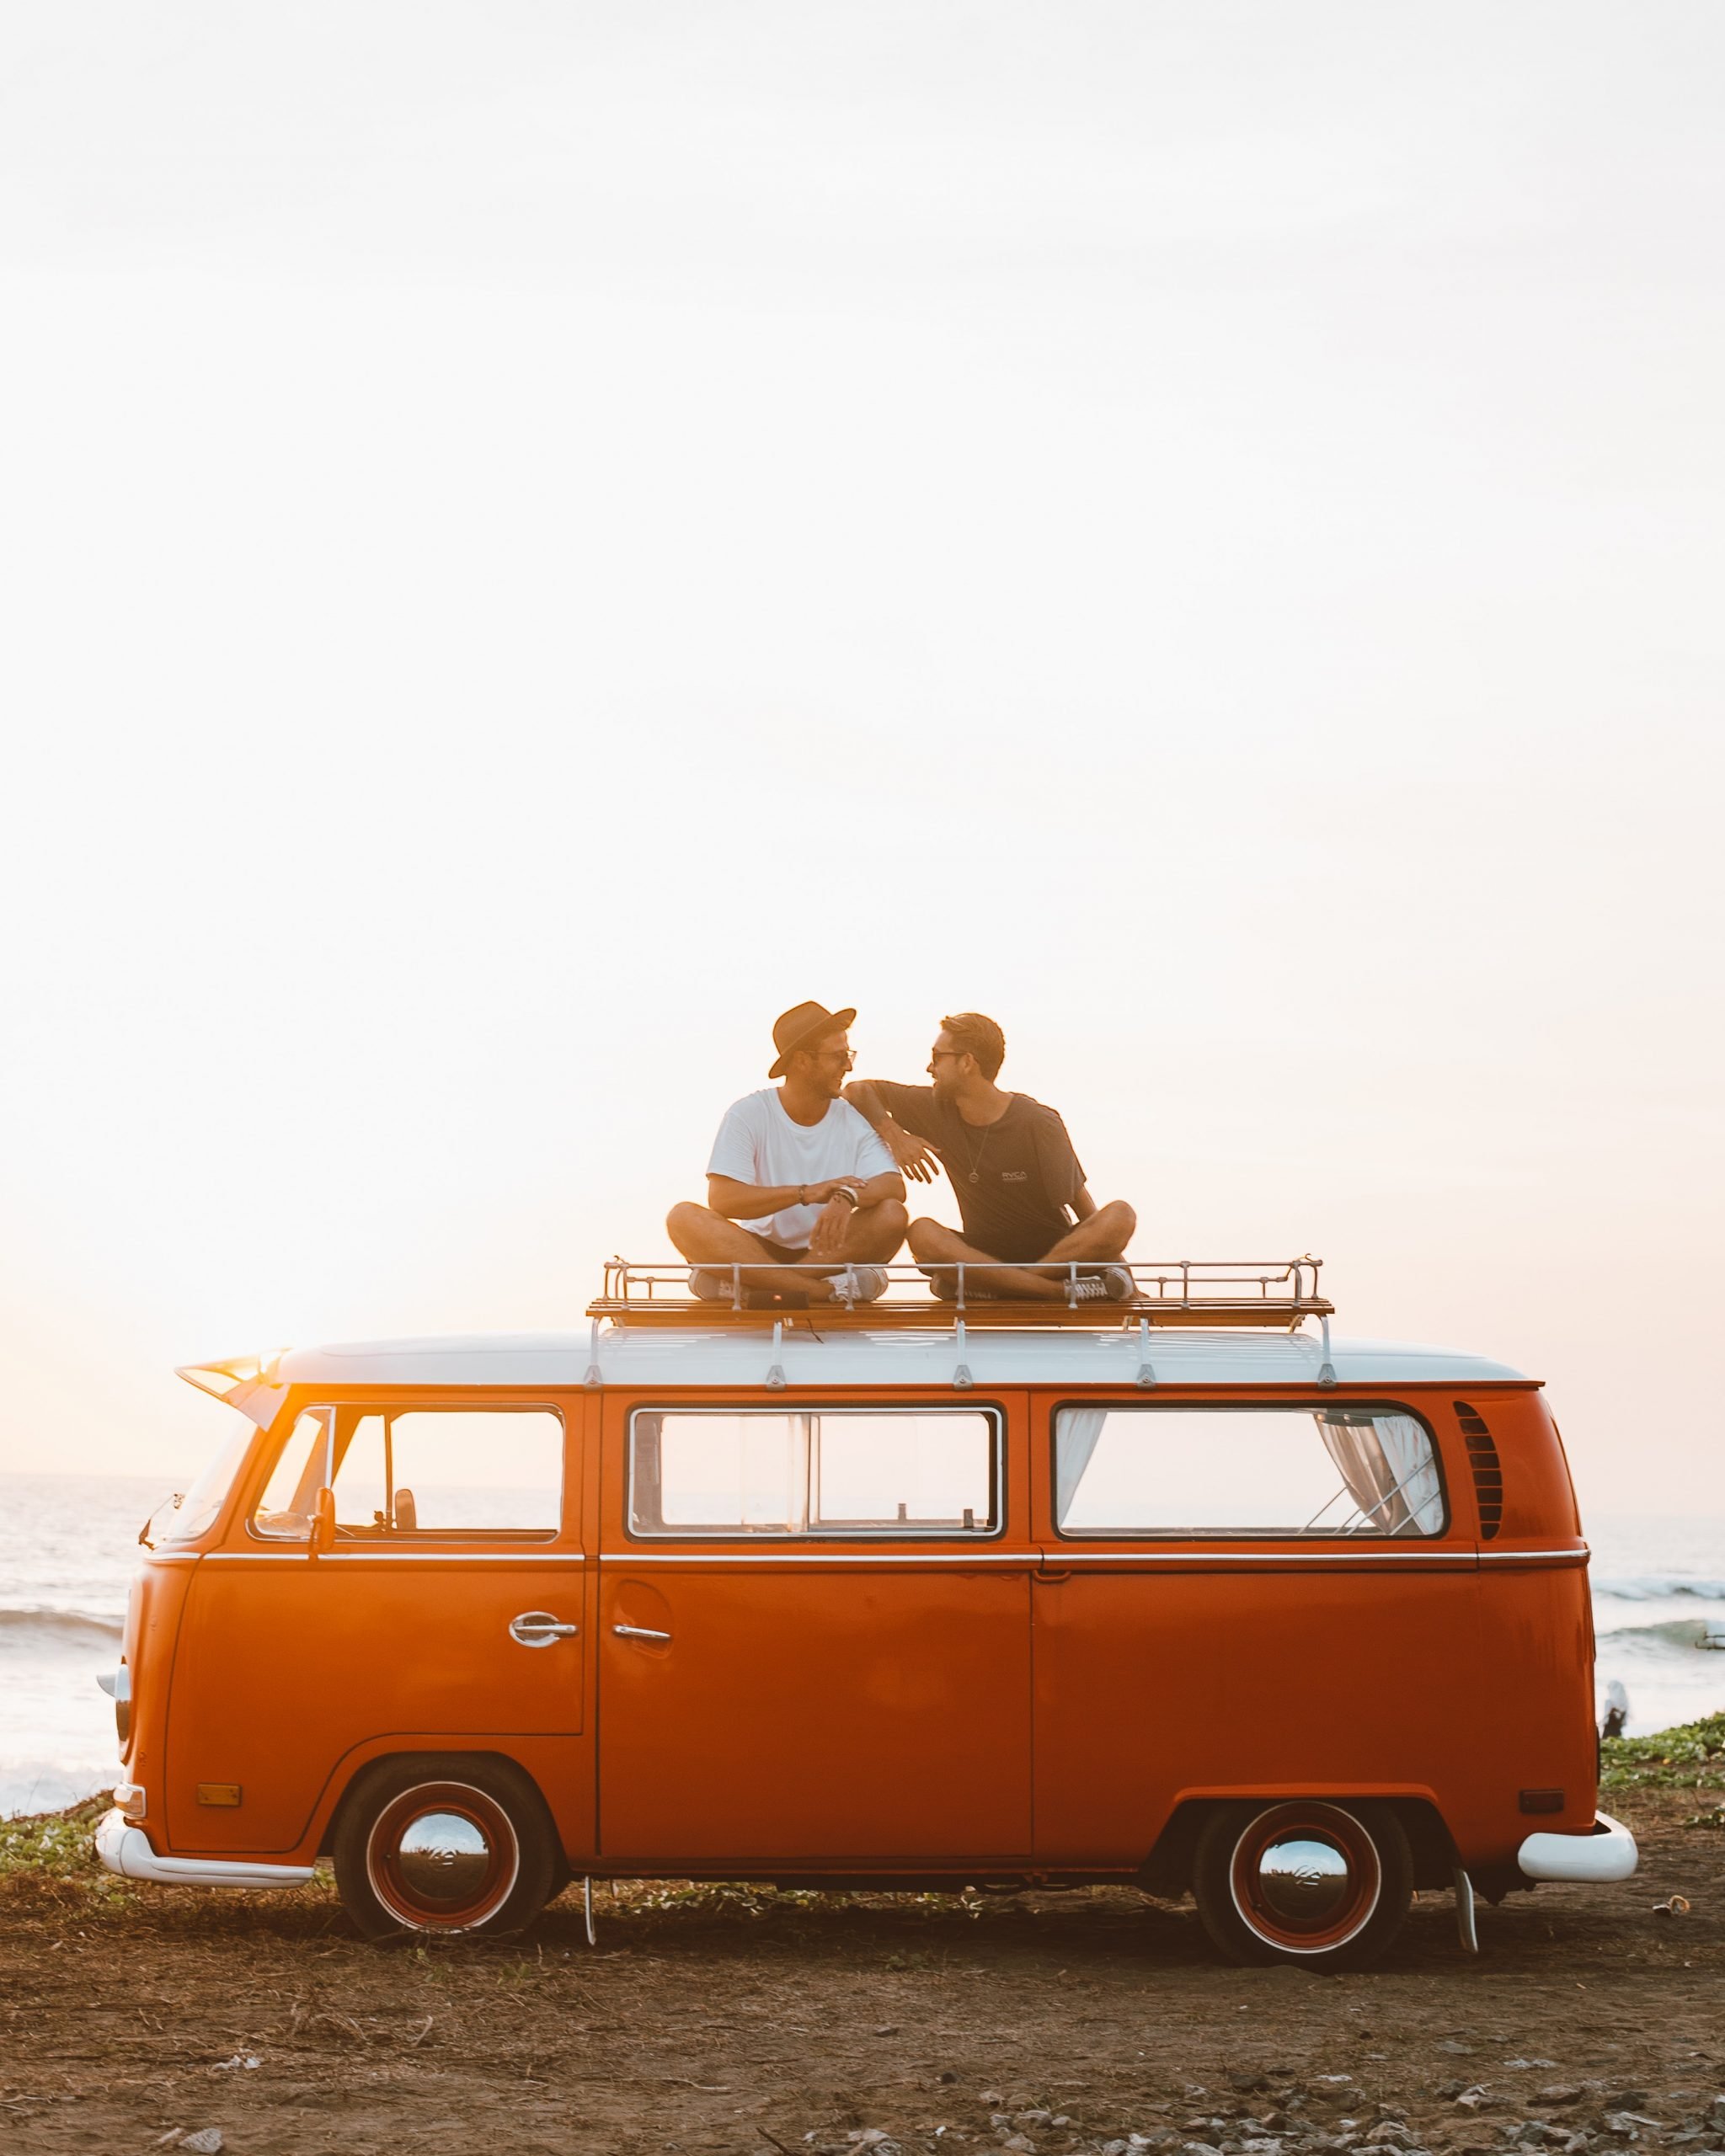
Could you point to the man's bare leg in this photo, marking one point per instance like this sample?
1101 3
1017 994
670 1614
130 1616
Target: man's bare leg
1094 1241
871 1235
875 1234
1103 1236
931 1244
707 1238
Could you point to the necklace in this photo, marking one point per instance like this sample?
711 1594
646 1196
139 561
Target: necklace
975 1158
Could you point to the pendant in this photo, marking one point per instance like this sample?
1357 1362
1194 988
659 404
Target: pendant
973 1174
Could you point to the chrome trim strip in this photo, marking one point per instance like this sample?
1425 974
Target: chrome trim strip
1027 1557
1063 1556
1058 1558
1520 1556
299 1556
1055 1559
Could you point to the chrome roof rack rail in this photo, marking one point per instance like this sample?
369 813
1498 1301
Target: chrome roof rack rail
1268 1293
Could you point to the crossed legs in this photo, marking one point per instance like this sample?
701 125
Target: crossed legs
1096 1240
873 1235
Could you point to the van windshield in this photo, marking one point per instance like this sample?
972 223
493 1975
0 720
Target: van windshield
183 1519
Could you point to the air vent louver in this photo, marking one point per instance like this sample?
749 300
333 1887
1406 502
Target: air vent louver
1487 1470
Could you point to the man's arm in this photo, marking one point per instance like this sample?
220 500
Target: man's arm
1081 1203
750 1201
908 1150
753 1201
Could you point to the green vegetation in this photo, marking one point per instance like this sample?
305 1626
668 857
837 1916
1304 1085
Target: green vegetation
52 1844
1691 1756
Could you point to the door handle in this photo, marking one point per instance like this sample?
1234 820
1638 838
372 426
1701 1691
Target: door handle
639 1632
538 1628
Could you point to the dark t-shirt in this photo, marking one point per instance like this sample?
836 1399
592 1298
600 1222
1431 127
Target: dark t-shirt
1014 1178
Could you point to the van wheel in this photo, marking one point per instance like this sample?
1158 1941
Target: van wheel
1321 1886
452 1847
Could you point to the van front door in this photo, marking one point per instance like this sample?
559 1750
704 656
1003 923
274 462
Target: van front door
449 1612
815 1635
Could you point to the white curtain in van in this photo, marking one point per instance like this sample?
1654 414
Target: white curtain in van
1414 1471
1388 1468
1077 1434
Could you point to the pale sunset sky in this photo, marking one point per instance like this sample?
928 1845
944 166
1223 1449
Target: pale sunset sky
532 539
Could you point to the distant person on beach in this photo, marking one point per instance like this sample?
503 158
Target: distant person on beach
1019 1186
799 1190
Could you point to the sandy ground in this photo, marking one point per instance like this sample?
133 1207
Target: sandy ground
1050 2022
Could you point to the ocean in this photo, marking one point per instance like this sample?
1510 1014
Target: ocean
68 1545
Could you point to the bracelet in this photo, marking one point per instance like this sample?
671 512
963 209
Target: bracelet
845 1190
802 1194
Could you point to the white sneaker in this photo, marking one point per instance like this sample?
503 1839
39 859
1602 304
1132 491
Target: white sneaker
711 1285
1086 1289
858 1283
1117 1279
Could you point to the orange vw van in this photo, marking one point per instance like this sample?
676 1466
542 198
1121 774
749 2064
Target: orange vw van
1172 1593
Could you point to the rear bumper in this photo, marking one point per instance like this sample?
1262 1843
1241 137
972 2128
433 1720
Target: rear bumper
125 1850
1606 1853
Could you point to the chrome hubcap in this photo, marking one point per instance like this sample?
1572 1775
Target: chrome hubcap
1303 1880
442 1857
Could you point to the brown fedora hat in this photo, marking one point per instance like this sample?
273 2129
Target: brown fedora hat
801 1023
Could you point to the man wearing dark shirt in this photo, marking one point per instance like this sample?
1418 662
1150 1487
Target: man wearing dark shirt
1019 1186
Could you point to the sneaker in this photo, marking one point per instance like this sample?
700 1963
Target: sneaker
1087 1288
858 1283
1111 1283
712 1283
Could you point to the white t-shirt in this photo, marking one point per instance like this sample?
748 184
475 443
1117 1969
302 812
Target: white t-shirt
759 1143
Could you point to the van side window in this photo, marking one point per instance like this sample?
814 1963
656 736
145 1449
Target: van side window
832 1471
284 1512
1243 1471
418 1470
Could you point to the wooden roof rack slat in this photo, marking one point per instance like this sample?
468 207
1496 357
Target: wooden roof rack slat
1272 1294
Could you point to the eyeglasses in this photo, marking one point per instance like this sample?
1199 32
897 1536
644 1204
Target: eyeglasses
847 1056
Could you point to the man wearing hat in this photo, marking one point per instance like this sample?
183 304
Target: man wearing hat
799 1190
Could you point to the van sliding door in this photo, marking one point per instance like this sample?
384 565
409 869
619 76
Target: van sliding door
815 1634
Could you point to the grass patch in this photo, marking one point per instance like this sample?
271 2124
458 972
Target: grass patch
1691 1756
52 1844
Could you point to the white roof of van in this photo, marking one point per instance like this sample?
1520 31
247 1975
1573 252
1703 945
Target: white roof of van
659 1355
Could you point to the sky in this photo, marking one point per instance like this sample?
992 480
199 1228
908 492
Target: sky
533 539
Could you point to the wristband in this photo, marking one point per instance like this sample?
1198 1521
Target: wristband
846 1190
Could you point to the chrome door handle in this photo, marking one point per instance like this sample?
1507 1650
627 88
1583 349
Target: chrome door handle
538 1628
639 1632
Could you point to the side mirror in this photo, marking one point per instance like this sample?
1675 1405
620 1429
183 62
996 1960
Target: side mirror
324 1523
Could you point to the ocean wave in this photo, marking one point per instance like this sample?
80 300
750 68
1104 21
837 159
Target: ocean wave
34 1623
1687 1633
1656 1587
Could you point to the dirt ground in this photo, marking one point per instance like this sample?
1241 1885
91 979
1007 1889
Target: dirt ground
735 2021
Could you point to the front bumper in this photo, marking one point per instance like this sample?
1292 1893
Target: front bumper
1606 1853
125 1850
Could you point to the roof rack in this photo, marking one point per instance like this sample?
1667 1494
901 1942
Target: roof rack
1277 1294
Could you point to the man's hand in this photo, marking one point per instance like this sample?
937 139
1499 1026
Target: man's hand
827 1238
910 1155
